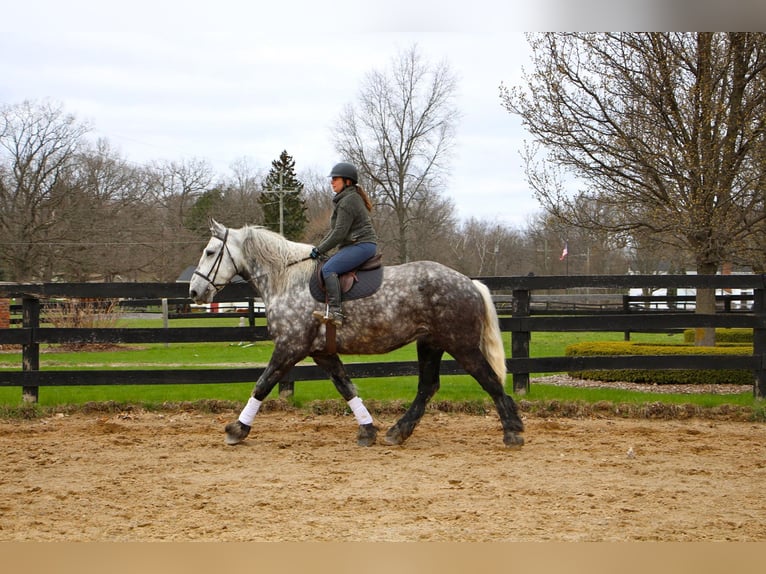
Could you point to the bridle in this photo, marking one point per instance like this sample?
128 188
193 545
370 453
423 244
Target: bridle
217 266
219 259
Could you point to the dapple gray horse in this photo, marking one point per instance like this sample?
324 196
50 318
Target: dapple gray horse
422 301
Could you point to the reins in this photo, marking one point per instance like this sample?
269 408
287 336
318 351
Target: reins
298 261
266 273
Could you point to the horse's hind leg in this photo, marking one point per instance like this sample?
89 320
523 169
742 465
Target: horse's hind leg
334 367
429 359
477 366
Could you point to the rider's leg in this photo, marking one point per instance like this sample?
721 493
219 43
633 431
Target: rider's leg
332 286
346 259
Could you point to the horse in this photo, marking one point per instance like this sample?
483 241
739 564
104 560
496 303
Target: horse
423 301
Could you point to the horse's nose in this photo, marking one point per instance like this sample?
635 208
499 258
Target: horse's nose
193 294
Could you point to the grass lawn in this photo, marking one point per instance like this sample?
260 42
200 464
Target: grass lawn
247 354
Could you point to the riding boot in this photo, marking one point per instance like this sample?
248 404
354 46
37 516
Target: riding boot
334 312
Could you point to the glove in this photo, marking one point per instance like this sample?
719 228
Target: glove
314 253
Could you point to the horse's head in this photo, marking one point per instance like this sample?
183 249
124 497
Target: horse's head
217 266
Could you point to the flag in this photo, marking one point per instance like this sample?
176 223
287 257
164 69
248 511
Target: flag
565 252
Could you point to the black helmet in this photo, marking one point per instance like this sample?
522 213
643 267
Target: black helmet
345 170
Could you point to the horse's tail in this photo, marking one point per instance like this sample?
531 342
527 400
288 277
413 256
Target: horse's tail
491 343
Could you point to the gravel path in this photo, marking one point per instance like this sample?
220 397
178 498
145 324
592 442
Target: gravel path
718 389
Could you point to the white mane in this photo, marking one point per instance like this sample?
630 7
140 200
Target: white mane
268 252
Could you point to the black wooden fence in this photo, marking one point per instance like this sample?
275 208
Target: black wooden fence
524 319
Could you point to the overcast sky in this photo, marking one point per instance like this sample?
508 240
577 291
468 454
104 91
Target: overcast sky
230 79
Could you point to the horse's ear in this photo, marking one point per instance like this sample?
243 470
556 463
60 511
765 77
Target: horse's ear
216 229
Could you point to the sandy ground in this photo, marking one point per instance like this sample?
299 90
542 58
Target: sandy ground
168 476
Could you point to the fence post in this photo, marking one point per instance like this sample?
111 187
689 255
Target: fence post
626 310
286 389
30 354
759 343
165 316
520 339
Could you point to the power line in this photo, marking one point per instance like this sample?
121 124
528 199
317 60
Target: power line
281 191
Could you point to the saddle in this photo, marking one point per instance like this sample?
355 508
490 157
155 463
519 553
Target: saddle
355 284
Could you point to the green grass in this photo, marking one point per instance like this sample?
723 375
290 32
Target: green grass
258 353
454 388
196 355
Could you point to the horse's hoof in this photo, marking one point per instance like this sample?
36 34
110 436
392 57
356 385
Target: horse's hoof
394 436
513 440
236 432
366 435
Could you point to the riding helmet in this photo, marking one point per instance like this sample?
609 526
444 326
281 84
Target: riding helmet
345 170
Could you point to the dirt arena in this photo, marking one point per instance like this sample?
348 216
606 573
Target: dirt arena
168 476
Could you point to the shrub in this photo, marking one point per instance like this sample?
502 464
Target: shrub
83 314
662 377
739 336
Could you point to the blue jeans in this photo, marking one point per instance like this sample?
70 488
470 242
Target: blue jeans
348 258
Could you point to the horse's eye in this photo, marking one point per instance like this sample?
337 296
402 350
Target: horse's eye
209 252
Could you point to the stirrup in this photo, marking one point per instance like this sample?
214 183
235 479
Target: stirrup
323 317
336 318
329 316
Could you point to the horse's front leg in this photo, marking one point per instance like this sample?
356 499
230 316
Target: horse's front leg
334 367
275 371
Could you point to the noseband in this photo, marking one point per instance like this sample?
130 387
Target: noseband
217 266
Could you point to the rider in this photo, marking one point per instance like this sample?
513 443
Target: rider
351 231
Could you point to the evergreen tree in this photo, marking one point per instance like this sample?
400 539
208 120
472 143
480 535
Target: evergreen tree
204 207
281 182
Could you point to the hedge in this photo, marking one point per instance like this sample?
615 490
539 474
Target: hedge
662 377
740 336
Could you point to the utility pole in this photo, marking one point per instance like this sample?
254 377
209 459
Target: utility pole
281 191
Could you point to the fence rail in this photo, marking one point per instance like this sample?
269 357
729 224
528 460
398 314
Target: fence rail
516 291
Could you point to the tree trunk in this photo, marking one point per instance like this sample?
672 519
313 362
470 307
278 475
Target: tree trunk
705 304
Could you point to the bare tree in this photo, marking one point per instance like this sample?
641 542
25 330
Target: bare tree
38 142
176 184
435 222
106 217
240 198
482 248
400 135
666 130
318 197
233 200
175 187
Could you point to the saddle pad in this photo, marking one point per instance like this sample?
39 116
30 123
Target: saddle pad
368 282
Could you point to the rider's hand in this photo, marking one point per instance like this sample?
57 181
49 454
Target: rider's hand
314 253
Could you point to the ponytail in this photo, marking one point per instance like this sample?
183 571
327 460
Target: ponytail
365 197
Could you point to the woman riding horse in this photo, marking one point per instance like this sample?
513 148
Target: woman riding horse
351 230
423 301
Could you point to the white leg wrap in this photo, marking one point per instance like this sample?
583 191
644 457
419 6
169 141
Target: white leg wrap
247 415
361 413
